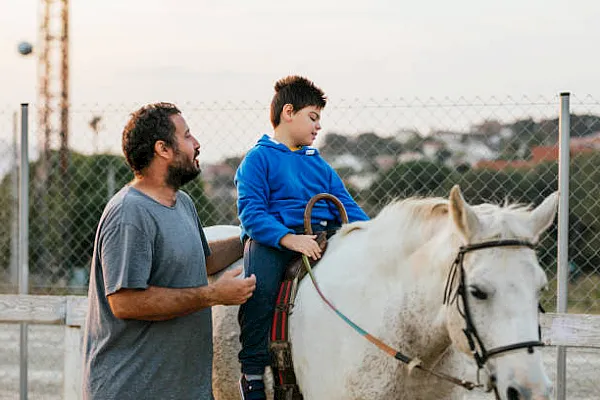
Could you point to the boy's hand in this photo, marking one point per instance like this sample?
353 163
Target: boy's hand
230 289
305 244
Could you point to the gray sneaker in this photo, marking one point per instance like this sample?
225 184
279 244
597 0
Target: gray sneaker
252 390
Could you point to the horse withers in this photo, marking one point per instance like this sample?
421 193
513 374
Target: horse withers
453 285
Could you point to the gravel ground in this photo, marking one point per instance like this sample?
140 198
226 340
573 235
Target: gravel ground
46 352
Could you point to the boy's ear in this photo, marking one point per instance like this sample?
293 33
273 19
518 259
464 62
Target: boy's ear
287 112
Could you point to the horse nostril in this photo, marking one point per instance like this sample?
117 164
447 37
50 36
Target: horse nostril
512 393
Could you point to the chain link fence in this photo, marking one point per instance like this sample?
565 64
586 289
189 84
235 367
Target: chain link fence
497 149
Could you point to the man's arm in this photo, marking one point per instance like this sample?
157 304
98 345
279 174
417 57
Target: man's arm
223 253
159 303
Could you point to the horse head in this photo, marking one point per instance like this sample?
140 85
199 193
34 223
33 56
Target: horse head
493 289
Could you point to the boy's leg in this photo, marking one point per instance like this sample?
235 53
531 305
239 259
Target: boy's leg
256 315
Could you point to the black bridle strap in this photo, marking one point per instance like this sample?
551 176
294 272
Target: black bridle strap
495 243
525 345
470 331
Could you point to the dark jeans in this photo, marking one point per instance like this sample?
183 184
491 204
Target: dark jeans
256 315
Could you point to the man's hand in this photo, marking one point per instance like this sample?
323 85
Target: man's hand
305 244
229 289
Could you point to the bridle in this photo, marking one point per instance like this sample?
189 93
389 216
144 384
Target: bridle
480 353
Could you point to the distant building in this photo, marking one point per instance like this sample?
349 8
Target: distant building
410 156
431 147
350 161
405 135
466 148
361 182
385 162
218 179
211 172
540 154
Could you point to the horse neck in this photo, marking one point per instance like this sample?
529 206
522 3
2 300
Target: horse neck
416 249
427 271
419 263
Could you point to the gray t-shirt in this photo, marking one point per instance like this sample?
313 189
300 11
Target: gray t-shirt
141 243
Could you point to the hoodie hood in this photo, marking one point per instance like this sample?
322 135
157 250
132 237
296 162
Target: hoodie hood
268 141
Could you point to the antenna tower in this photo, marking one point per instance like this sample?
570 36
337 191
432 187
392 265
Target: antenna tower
53 79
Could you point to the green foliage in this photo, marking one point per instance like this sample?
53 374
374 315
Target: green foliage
66 207
92 181
334 144
527 186
483 185
366 145
584 293
206 209
413 178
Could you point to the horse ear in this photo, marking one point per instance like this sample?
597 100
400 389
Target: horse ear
463 215
543 215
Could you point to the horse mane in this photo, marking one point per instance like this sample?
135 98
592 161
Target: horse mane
424 217
421 217
422 209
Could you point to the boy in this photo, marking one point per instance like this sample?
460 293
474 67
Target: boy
275 181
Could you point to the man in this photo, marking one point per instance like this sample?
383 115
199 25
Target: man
148 331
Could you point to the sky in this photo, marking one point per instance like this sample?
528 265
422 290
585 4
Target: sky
192 51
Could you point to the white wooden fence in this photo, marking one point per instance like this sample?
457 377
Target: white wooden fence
569 330
69 311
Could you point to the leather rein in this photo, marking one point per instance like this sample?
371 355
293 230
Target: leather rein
479 351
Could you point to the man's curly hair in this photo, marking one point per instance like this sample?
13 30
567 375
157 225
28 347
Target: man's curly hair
147 125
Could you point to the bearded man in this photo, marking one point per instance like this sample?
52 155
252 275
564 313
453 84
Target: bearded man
148 332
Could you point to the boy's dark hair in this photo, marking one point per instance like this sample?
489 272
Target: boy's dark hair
147 125
297 91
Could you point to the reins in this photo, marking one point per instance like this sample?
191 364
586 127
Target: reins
411 362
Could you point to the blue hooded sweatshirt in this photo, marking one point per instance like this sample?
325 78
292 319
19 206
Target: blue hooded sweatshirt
274 185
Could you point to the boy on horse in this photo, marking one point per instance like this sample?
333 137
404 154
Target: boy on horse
275 181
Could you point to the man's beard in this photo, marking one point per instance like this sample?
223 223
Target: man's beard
180 173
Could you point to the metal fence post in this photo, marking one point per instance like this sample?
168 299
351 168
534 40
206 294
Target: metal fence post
14 207
563 236
24 241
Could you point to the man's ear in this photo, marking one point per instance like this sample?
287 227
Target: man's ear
161 149
287 112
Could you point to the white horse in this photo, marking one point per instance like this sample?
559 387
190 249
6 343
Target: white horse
389 276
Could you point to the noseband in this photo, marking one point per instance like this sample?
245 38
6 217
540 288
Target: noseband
478 349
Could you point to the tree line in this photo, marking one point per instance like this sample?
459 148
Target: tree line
65 208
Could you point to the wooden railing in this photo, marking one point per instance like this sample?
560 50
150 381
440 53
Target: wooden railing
569 330
69 311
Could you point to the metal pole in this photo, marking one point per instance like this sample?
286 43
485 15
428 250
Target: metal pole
24 241
563 236
14 208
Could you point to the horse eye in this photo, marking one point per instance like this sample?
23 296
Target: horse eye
478 293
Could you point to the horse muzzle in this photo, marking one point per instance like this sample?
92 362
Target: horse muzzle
522 389
518 392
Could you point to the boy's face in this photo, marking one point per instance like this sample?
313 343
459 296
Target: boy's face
304 125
